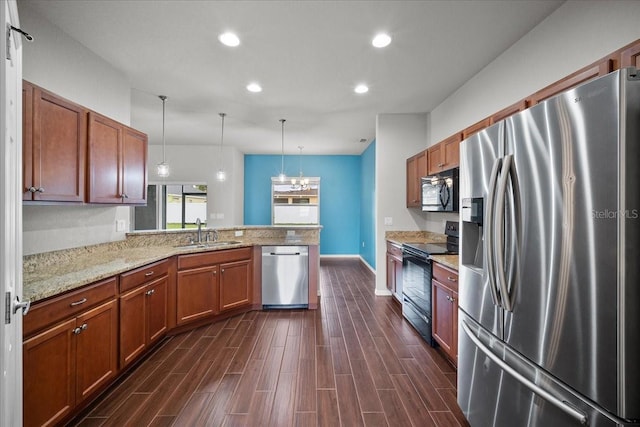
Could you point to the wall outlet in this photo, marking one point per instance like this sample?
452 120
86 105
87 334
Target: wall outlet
388 220
363 243
291 232
239 233
121 224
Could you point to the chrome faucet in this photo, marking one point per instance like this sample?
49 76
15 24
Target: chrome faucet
199 224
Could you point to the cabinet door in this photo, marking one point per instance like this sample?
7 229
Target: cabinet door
434 159
451 152
391 274
235 285
27 140
96 348
454 334
398 280
59 148
132 325
49 375
134 167
156 293
105 146
412 182
631 56
442 316
196 294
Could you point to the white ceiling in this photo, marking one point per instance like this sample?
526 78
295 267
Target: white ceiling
307 55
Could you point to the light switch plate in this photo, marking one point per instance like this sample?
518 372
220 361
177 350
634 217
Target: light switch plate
120 225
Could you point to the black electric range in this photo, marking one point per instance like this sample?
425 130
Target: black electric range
416 279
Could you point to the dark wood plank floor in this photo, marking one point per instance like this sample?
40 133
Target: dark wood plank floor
352 362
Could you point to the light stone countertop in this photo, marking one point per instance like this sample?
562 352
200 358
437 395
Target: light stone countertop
450 261
49 274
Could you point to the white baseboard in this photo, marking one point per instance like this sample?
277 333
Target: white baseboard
383 292
350 257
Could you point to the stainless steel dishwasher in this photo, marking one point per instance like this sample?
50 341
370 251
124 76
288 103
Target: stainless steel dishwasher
285 277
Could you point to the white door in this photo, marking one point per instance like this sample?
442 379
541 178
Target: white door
10 217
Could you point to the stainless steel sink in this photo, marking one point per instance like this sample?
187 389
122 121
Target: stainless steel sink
208 244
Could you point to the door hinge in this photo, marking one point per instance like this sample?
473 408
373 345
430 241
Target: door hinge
7 308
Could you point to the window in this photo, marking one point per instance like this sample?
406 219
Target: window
173 206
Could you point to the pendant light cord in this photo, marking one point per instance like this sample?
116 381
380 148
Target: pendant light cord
164 100
282 158
221 137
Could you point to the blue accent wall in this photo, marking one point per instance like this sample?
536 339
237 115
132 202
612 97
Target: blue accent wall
340 195
367 205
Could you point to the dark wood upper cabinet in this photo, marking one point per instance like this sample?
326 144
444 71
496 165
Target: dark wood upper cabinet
445 155
475 128
117 162
600 68
54 147
416 169
509 111
630 56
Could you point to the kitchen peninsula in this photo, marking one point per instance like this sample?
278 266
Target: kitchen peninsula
100 308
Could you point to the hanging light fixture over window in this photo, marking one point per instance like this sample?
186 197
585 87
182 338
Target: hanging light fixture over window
163 167
221 175
282 175
302 182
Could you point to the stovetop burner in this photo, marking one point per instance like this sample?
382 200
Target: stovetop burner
448 248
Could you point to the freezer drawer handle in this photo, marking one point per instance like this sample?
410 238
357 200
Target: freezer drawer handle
560 404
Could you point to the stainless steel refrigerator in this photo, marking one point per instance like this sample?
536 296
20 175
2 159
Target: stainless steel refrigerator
549 296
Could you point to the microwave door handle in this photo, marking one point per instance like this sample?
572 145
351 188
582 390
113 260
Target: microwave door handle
495 171
444 191
499 233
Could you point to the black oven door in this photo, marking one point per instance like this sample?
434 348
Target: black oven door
416 280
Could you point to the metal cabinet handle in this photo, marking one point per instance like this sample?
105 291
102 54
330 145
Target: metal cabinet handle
124 196
40 189
451 279
150 292
32 189
222 271
84 326
148 274
76 331
82 301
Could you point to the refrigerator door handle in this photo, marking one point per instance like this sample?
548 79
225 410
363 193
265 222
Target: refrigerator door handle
499 233
558 403
495 171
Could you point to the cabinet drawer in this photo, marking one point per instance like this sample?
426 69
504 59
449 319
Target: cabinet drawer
56 309
446 276
214 257
394 249
139 276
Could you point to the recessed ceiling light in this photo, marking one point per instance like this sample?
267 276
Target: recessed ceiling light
229 39
361 88
381 40
254 87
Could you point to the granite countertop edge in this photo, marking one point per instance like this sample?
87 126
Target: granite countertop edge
50 281
451 261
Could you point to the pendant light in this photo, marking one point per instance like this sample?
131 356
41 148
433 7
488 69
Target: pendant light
303 182
282 175
163 167
221 175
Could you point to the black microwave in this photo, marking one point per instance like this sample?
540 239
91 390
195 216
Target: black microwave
440 192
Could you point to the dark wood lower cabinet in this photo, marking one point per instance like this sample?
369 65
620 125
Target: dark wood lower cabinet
68 361
196 294
235 285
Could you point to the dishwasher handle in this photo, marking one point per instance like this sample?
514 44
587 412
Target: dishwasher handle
289 253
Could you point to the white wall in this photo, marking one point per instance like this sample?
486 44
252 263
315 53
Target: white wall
59 63
198 164
577 34
398 136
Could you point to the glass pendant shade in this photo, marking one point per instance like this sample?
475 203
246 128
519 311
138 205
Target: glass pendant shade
163 167
221 176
